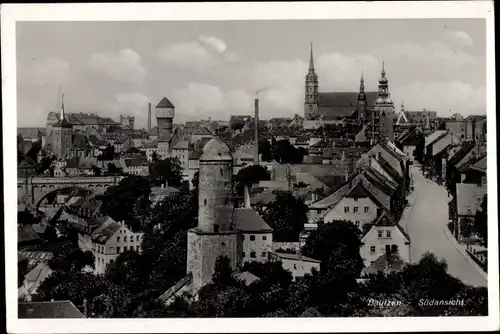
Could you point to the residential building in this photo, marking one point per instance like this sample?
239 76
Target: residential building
384 237
63 309
297 264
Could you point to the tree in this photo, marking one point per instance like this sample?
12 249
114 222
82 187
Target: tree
223 274
265 150
284 152
50 234
195 181
248 176
166 171
97 170
130 270
71 259
112 169
126 200
22 270
286 215
237 126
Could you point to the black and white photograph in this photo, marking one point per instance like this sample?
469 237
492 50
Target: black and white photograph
247 166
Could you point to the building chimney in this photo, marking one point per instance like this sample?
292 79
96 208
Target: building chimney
149 117
256 137
85 308
246 197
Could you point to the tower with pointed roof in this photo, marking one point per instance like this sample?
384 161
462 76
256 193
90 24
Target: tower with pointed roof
311 90
361 100
382 113
216 234
62 135
165 112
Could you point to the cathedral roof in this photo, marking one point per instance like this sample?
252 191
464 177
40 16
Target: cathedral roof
165 103
216 149
335 105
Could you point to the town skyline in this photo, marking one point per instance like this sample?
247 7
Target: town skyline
211 69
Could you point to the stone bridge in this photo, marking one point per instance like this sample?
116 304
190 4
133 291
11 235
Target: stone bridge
33 189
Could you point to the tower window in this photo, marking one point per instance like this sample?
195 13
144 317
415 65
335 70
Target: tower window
252 237
253 255
216 228
205 201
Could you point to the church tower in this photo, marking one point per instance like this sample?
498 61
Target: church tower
62 135
215 234
382 115
311 92
361 101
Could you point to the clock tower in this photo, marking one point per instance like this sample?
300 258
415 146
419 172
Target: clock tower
382 114
165 112
311 91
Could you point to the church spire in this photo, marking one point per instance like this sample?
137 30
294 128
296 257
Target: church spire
362 83
383 69
311 59
62 107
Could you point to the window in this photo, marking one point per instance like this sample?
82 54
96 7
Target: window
205 201
125 248
252 237
216 228
372 249
346 209
357 223
137 238
380 234
118 249
355 199
252 254
388 233
294 266
125 238
355 209
264 254
318 211
264 237
366 209
132 248
243 254
118 239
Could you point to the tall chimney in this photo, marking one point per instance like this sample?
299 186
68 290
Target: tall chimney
256 137
149 117
247 197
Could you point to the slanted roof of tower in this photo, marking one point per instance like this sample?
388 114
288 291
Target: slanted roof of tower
165 103
248 220
216 149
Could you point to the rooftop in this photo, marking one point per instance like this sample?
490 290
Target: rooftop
53 309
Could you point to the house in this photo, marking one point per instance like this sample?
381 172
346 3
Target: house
435 152
387 263
200 133
32 281
106 239
63 309
193 166
122 144
27 236
358 206
464 153
181 151
297 264
158 194
468 200
136 166
256 233
384 237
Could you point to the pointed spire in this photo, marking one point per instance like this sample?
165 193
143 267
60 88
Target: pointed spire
362 83
383 69
62 107
311 59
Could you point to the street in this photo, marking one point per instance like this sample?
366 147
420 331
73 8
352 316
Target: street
426 222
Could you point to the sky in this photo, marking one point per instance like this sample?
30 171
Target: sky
216 68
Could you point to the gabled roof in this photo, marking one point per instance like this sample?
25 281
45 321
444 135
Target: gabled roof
333 199
480 165
462 152
27 163
385 220
105 231
26 233
136 162
202 131
165 297
433 136
53 309
248 220
165 103
247 277
386 264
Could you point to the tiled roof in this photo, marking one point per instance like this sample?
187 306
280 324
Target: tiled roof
247 277
165 103
182 145
37 275
26 233
295 257
56 309
27 163
105 231
386 264
248 220
202 131
262 197
480 165
461 153
135 162
385 220
310 180
333 105
333 198
433 136
469 198
122 140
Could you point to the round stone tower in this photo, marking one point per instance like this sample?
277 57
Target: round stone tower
215 234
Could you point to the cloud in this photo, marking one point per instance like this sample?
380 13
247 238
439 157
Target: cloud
213 42
124 65
50 71
442 96
458 38
202 100
205 55
343 71
445 53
